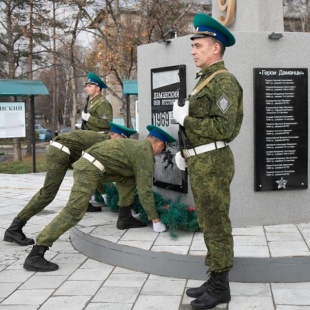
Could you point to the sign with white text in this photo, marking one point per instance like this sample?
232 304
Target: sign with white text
281 129
12 120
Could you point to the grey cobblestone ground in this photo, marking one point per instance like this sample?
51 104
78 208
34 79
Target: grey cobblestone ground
82 283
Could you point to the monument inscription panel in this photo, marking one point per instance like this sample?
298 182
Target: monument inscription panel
167 85
281 128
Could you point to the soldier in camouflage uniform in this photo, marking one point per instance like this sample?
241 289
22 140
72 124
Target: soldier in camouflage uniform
128 162
63 151
96 116
98 111
211 118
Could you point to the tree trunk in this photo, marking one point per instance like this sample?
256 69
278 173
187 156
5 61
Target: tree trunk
74 97
10 58
30 59
17 151
73 68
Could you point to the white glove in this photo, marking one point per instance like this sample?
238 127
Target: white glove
180 161
159 227
135 214
104 197
92 199
179 113
85 116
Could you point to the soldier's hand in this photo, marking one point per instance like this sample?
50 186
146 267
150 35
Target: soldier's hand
179 113
85 116
180 161
159 227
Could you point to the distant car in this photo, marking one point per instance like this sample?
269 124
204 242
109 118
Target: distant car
65 129
44 134
38 128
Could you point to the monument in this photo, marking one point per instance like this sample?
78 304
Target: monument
271 152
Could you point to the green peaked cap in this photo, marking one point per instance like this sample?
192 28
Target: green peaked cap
92 78
121 130
205 23
160 134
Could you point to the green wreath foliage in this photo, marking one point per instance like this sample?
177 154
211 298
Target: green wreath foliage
176 215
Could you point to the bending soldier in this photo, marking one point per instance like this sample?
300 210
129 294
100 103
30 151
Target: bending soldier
128 162
63 151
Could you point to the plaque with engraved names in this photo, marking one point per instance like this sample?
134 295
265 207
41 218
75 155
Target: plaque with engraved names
281 129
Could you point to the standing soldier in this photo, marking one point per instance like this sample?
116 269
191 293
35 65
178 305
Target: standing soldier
98 112
96 116
128 162
211 117
63 151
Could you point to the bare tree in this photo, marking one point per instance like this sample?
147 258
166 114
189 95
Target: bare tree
9 21
70 21
18 21
297 15
121 26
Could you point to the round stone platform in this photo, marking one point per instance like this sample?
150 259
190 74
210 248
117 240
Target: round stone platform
144 250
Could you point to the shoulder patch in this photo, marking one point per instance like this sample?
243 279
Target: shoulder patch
104 116
223 103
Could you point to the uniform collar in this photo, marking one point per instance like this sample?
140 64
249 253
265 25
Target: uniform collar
95 97
211 69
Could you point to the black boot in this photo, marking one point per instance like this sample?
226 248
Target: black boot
35 261
198 291
15 234
126 220
92 208
217 292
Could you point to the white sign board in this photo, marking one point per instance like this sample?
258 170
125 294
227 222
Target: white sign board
12 120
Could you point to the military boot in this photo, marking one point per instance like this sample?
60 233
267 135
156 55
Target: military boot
126 220
15 234
198 291
35 261
92 208
217 292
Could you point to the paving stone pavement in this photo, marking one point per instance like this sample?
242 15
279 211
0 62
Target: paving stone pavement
83 283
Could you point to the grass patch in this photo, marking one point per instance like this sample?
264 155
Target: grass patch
24 166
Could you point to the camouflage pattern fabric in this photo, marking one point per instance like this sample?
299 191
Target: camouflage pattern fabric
101 113
80 140
86 181
215 114
58 162
128 162
210 177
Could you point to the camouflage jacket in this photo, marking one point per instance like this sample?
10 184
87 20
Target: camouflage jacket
128 158
216 112
101 113
80 140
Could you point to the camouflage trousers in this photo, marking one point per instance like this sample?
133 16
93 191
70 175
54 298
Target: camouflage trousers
210 176
86 179
126 190
58 163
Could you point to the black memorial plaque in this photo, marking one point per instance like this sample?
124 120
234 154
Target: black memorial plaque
281 129
168 85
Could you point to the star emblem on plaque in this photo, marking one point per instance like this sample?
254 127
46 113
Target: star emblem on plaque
281 183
